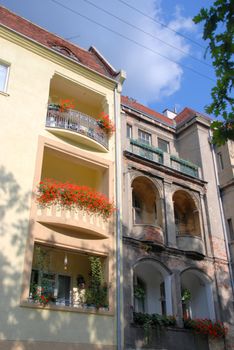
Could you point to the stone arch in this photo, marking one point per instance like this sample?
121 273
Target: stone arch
194 195
159 186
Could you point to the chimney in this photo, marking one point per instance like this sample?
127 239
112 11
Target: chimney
169 114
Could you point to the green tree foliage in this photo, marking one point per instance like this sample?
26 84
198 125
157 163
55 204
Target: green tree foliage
219 31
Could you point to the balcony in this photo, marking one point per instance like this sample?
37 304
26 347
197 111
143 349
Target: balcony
79 223
184 166
192 244
156 155
77 126
146 151
148 233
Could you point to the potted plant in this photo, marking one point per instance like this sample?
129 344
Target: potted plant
139 292
106 124
54 107
186 297
66 104
97 292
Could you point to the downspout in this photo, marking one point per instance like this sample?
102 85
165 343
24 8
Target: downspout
222 215
118 184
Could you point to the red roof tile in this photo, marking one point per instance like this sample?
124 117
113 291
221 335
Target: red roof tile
181 118
187 114
90 58
126 101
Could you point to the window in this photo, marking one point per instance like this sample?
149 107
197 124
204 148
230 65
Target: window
163 298
230 229
220 160
163 145
144 137
139 295
129 131
4 68
137 209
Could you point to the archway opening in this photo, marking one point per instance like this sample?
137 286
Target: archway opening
186 215
196 295
146 203
152 290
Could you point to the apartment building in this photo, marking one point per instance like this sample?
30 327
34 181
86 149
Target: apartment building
58 106
225 171
175 258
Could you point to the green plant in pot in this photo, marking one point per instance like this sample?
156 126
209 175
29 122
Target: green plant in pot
186 297
139 292
97 292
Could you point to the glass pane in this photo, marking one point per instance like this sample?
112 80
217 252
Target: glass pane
144 137
3 77
129 131
163 145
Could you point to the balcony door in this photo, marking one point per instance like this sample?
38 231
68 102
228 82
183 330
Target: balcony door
64 283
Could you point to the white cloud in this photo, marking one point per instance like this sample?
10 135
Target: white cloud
149 76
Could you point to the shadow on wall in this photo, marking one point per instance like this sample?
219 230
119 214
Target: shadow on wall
23 323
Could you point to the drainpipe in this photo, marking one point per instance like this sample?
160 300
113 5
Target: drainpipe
118 183
222 214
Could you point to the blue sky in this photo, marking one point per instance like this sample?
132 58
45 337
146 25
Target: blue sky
151 79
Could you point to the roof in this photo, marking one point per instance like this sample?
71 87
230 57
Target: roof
188 114
133 104
90 58
184 116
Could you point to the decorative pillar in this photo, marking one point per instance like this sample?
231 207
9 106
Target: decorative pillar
176 297
169 215
204 223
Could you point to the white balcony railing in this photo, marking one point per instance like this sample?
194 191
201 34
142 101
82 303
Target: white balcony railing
75 220
77 122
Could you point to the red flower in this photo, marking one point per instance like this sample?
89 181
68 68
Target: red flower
105 123
52 192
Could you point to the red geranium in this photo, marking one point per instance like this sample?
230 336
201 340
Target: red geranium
105 123
71 196
206 326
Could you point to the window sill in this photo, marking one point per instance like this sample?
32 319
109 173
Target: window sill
54 307
4 93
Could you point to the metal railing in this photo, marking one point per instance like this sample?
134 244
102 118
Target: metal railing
184 166
145 151
77 122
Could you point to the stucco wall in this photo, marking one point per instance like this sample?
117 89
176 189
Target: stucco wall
23 112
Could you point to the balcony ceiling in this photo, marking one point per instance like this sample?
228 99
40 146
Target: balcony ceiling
59 86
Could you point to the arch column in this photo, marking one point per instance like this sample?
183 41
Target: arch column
176 297
169 215
205 226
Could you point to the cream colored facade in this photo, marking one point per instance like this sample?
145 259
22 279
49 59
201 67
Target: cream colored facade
33 150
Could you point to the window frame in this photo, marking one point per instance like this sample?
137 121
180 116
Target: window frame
143 140
230 229
129 128
220 161
167 143
5 83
